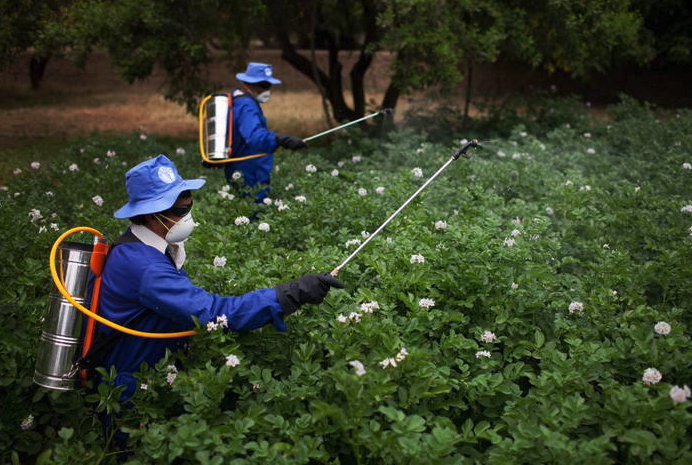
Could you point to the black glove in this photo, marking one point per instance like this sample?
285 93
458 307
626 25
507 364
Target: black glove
289 142
310 289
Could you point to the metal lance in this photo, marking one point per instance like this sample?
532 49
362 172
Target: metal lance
384 111
461 152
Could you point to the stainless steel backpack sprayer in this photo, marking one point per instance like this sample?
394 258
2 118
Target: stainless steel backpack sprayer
66 341
216 128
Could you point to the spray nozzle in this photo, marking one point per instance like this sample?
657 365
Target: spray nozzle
386 111
463 151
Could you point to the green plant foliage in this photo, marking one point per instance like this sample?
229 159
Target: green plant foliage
506 316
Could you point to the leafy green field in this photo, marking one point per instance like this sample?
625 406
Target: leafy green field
509 315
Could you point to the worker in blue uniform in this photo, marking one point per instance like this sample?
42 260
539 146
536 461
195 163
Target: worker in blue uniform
145 287
250 133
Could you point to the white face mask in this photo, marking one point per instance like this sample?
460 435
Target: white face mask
181 230
263 97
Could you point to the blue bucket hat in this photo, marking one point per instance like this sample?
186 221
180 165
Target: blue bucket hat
257 72
153 186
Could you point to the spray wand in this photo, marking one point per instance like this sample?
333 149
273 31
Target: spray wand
384 111
462 152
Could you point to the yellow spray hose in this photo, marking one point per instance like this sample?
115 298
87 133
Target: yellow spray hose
59 284
201 139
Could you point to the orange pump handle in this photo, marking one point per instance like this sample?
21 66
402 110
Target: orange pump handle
97 263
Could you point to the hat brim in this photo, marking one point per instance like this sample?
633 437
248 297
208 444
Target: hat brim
158 204
254 79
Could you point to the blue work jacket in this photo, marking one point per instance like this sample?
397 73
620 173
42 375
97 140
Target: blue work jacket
138 278
250 137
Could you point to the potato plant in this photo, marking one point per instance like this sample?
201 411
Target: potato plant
531 306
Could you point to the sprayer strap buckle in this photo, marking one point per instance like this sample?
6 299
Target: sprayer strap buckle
73 371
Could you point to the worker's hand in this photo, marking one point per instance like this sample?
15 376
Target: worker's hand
310 289
289 142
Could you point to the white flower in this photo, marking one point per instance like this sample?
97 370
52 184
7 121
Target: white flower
637 189
282 207
211 326
222 320
426 303
17 171
687 166
226 195
54 226
42 229
236 175
420 150
241 220
488 336
686 208
97 160
568 183
267 201
143 137
219 261
4 188
180 151
110 153
35 214
516 221
585 188
591 151
514 286
388 362
334 172
341 318
289 187
389 240
576 307
651 376
587 134
352 242
35 165
311 168
567 125
362 192
440 224
340 163
360 369
255 386
417 258
523 134
680 394
355 158
401 355
482 353
98 200
379 190
144 387
549 211
516 156
27 423
264 227
354 316
509 242
364 234
515 233
368 307
232 361
50 193
300 198
501 154
172 369
170 377
417 172
277 168
662 328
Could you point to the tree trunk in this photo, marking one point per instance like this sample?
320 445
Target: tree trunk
469 83
37 67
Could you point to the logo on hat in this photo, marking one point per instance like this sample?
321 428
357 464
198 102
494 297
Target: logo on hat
268 71
166 174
